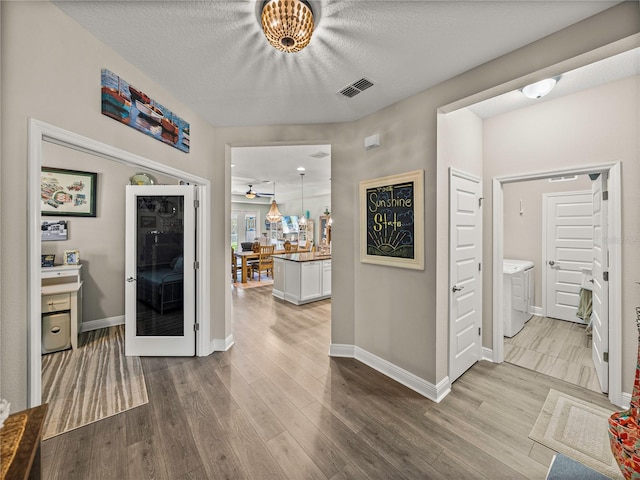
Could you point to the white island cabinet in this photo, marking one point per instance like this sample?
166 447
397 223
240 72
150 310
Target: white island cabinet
302 277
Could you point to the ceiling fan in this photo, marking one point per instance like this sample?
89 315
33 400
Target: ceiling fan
251 193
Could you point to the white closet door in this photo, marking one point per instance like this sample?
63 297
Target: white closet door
465 277
569 249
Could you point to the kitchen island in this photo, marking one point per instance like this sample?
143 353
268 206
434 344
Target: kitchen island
302 277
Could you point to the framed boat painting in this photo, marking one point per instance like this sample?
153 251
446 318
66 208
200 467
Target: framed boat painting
133 107
392 220
68 192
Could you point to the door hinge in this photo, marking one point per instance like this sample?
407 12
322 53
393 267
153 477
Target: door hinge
605 357
196 265
196 203
605 195
196 327
480 201
479 330
605 276
480 267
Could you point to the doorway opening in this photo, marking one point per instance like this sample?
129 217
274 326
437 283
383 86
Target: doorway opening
41 133
613 230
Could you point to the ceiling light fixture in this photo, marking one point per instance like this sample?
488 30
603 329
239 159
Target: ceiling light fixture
274 214
250 193
301 169
539 89
287 24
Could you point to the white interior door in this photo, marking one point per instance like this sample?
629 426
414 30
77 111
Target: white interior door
465 276
160 294
600 291
569 249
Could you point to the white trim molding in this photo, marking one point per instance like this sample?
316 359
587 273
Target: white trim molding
537 310
426 389
90 325
615 264
221 344
39 132
487 354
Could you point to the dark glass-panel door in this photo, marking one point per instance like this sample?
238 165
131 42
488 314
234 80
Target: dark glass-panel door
160 277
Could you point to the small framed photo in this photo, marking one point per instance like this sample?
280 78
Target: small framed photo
47 260
68 192
71 257
54 231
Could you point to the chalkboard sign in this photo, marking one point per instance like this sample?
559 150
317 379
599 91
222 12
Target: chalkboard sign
392 219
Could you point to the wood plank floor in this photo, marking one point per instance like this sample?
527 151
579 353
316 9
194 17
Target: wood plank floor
556 348
275 406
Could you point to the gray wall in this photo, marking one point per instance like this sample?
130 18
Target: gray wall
99 239
523 232
389 312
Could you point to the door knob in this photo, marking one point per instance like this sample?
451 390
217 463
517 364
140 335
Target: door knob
131 279
456 288
552 263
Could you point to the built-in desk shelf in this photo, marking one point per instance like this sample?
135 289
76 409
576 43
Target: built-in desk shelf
61 290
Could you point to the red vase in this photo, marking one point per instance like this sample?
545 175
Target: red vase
624 431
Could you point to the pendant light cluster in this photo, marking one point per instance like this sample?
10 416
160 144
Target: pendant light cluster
274 214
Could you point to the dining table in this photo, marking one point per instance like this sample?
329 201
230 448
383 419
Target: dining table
248 255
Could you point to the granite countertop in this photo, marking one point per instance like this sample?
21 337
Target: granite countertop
304 257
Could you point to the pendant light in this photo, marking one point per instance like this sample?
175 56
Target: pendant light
274 214
303 217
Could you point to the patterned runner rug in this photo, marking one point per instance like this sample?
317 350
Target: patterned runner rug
93 382
577 429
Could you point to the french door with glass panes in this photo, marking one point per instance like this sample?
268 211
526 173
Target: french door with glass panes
160 294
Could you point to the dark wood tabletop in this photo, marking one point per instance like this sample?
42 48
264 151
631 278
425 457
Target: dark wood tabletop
26 462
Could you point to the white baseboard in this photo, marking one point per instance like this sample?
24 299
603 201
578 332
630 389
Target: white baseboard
340 350
102 323
221 344
408 379
626 400
487 354
536 311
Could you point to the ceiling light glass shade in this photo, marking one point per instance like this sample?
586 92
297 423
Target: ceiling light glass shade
539 89
251 192
274 214
287 24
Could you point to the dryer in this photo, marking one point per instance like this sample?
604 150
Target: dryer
518 294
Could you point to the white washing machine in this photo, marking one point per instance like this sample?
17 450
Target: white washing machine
518 295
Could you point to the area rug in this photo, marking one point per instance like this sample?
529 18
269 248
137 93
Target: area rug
577 429
93 382
254 283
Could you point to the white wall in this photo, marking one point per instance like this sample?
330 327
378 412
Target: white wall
523 231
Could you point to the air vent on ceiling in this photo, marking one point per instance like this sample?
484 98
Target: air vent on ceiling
356 87
319 155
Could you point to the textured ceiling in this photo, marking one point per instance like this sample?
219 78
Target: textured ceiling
212 55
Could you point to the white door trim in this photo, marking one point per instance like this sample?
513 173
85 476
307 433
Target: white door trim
40 132
615 262
543 271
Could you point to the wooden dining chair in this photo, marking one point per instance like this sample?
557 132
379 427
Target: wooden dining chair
265 261
236 266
